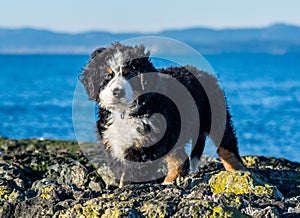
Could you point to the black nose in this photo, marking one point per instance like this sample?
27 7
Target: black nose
118 93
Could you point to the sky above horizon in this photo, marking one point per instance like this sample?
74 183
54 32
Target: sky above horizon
146 16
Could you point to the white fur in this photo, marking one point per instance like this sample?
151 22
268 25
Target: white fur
122 130
116 62
106 96
121 133
194 165
109 101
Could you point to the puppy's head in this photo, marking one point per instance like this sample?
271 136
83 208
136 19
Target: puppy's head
107 75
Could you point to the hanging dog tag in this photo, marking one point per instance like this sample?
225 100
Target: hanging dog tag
123 115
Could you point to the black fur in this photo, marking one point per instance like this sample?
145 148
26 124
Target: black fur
95 78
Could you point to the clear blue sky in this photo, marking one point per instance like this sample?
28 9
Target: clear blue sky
145 16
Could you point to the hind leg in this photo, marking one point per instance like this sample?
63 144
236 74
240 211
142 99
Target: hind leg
196 154
228 150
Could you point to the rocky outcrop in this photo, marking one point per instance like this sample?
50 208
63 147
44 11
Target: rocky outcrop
51 178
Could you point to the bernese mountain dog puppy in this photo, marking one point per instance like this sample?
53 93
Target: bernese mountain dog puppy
139 122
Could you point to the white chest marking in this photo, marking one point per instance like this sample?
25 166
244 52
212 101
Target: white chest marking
122 133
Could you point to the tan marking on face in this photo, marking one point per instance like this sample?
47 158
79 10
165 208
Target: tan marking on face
109 70
229 160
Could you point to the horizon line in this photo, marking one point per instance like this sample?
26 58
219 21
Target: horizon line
149 32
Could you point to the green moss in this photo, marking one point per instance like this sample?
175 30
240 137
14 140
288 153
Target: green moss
40 167
37 144
241 183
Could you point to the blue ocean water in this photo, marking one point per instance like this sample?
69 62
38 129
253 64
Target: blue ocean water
263 91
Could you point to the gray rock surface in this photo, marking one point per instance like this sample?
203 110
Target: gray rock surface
52 178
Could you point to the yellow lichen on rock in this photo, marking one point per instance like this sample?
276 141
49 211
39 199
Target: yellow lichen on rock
249 161
241 183
111 213
8 194
4 191
13 196
45 192
226 212
151 210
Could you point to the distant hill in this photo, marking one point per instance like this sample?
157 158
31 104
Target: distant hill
276 39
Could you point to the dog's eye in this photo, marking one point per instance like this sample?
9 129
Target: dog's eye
109 70
108 77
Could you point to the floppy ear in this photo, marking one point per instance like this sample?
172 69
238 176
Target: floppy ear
90 76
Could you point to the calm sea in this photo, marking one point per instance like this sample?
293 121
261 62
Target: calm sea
263 91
